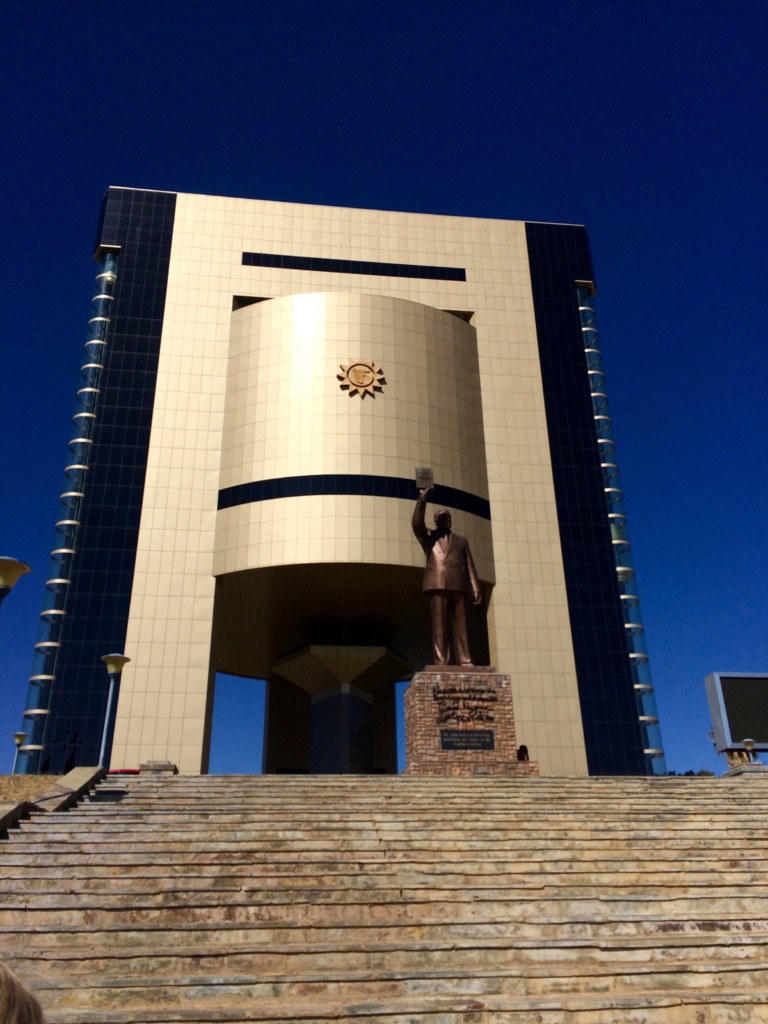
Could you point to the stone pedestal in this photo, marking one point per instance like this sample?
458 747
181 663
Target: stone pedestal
460 721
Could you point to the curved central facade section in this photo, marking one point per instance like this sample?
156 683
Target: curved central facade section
332 400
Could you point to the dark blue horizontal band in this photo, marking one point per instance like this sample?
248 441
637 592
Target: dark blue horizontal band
350 483
267 259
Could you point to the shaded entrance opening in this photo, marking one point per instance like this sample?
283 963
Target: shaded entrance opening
331 710
333 640
340 742
341 732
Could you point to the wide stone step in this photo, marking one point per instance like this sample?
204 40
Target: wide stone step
385 786
234 862
245 990
413 809
545 824
319 810
21 863
462 818
197 935
379 783
223 935
395 826
255 841
378 864
251 878
391 887
386 905
620 955
701 1008
271 791
409 803
352 814
225 897
391 791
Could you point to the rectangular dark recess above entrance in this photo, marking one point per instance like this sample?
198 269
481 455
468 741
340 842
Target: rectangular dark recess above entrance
281 262
239 301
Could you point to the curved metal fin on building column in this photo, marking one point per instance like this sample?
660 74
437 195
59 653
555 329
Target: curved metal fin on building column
622 550
53 615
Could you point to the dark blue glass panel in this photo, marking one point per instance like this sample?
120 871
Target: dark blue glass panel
141 223
559 256
347 483
266 259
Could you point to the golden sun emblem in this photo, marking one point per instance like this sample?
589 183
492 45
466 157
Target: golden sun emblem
362 377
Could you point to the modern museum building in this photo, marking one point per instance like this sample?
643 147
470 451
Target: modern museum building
260 382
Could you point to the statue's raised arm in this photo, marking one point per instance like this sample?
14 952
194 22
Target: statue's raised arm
417 521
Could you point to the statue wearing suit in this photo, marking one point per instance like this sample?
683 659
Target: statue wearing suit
448 575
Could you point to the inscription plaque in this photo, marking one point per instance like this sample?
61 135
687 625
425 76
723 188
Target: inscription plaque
464 703
466 739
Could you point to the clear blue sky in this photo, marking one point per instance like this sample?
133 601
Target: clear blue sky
644 121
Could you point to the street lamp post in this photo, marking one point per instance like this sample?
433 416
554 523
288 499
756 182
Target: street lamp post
10 570
114 663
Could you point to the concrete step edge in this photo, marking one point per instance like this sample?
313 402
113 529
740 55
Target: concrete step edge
612 945
555 971
415 1010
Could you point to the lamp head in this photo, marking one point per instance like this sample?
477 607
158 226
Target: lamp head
10 570
115 663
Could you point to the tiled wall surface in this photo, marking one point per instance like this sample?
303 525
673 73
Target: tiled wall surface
287 416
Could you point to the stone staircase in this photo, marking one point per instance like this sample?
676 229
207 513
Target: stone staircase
375 900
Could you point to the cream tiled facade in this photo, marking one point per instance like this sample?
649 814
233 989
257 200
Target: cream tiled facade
252 394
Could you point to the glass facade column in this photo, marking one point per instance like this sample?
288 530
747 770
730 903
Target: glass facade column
622 550
52 617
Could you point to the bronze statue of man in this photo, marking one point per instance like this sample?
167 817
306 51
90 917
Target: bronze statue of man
448 574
